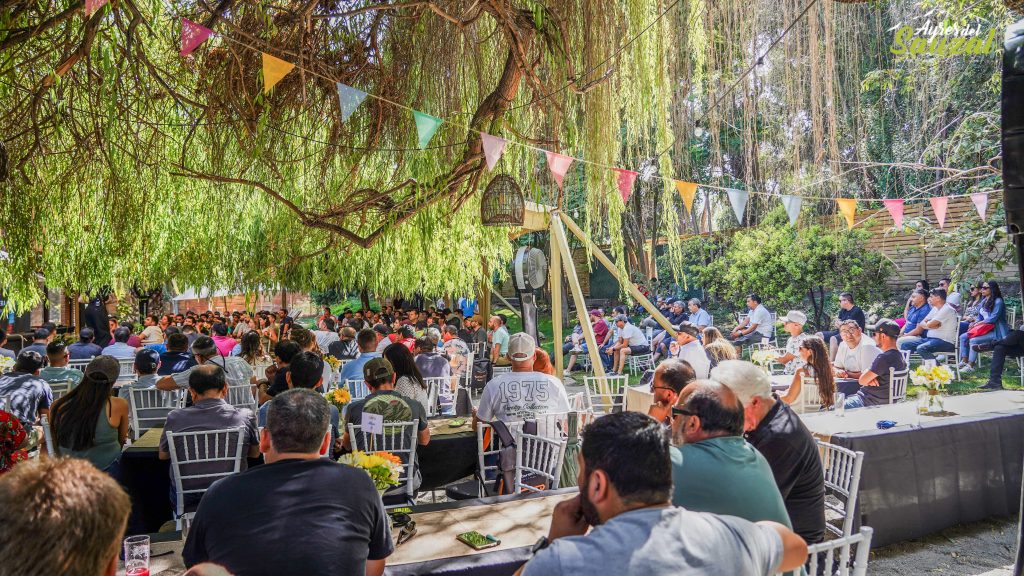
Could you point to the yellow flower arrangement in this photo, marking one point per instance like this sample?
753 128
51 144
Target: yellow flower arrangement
384 468
339 397
934 378
334 362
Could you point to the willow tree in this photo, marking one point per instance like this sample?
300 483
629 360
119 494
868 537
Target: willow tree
126 164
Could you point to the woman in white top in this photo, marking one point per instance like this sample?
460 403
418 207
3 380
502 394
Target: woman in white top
409 380
816 367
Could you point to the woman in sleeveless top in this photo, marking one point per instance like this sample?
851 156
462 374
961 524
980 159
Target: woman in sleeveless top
87 422
818 368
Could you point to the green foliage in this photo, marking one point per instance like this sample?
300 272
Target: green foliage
976 246
789 267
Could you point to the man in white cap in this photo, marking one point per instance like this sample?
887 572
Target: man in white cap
688 348
793 324
523 393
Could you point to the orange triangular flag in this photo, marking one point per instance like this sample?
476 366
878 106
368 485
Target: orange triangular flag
688 190
273 70
848 207
939 207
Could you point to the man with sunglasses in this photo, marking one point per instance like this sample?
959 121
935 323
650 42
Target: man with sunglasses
670 378
713 468
953 298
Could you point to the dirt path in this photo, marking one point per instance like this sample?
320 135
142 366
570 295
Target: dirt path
984 548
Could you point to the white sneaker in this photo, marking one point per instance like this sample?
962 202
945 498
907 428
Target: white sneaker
967 368
567 372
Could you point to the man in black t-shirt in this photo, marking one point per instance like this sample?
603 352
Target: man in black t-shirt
874 382
285 350
297 514
781 437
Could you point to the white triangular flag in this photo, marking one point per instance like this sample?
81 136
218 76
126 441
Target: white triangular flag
792 204
738 199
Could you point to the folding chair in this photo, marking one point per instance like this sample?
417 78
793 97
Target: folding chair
357 388
79 364
59 388
241 397
434 394
606 394
640 363
126 371
198 459
842 468
48 436
538 462
488 447
579 402
148 408
399 438
898 385
838 557
810 396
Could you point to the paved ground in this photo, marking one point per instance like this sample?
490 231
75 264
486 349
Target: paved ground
984 548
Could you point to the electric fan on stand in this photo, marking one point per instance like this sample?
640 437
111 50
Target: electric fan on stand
529 272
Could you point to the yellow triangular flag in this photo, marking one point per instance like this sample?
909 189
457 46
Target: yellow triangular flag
273 70
848 207
688 190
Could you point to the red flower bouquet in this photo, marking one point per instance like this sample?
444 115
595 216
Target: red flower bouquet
12 436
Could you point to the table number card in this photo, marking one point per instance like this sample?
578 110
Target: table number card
373 423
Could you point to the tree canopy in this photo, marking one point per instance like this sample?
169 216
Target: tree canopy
128 165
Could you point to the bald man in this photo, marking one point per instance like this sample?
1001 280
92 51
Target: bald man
499 341
713 468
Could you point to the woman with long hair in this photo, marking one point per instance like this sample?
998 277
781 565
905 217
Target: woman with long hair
88 423
252 350
716 346
818 368
989 327
266 327
409 380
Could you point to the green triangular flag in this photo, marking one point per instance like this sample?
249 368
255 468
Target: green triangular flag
426 126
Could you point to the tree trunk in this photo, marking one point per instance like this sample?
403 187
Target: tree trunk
364 298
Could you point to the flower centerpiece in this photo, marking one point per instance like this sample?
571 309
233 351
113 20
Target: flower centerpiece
12 436
763 358
334 362
6 364
934 379
339 397
384 468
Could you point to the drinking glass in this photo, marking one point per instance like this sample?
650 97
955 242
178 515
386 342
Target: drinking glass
136 556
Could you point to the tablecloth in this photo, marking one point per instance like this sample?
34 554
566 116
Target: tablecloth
639 398
929 473
450 456
147 480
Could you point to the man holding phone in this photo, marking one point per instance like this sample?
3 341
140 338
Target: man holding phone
625 481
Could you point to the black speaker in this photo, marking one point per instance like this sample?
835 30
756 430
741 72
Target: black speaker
1013 128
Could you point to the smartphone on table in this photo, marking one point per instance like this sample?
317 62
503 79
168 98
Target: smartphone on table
477 541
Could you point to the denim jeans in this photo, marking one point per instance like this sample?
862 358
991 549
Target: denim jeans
927 347
854 401
969 354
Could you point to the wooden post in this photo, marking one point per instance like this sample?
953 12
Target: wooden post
558 233
555 283
484 299
607 263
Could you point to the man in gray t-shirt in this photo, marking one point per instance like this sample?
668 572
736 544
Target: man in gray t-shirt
625 481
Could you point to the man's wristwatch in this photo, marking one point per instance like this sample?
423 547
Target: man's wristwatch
541 544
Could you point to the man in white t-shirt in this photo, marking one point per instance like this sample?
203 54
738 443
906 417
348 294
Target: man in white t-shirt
631 341
688 348
755 327
521 394
236 370
953 298
856 352
937 332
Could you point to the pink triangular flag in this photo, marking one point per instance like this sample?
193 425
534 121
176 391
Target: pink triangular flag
626 179
980 200
493 148
559 165
895 208
192 35
91 6
939 207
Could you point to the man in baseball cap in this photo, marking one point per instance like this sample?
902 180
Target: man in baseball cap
793 323
522 393
875 382
28 396
382 400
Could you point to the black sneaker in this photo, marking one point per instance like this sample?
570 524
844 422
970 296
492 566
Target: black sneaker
990 386
983 347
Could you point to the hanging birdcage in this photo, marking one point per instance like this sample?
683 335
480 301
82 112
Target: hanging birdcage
502 203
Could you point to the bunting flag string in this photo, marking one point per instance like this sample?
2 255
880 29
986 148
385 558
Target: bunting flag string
91 6
493 148
792 205
349 99
688 191
939 207
738 199
274 69
192 35
980 200
848 207
559 165
895 208
626 180
426 127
